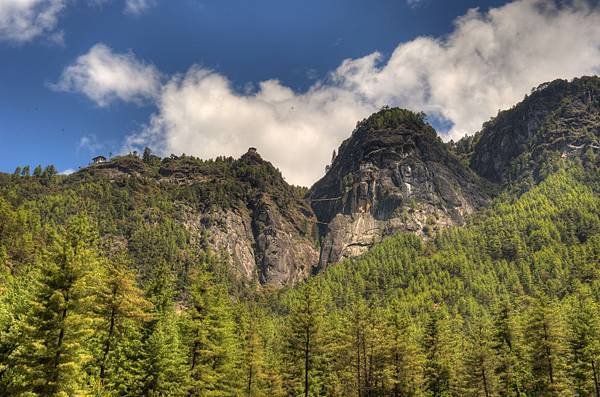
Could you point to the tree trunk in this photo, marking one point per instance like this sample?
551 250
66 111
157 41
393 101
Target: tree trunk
358 362
484 378
195 353
596 386
306 361
111 329
54 376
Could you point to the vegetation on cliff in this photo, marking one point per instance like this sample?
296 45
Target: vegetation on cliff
506 305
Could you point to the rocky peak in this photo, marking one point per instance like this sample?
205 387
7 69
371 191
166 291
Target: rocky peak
558 120
393 173
249 214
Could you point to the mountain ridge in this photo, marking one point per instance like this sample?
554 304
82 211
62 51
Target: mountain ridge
392 174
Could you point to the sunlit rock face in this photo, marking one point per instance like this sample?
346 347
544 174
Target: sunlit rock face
242 209
392 174
522 145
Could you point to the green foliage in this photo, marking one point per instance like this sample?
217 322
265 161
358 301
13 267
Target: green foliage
122 300
392 118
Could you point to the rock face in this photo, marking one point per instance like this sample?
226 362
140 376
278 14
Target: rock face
522 145
242 208
392 174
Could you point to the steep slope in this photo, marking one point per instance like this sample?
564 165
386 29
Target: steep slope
524 144
243 209
392 174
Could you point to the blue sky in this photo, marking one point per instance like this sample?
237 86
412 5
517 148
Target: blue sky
188 50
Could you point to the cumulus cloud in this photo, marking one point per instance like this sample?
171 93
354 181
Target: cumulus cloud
489 62
201 114
89 143
104 76
414 3
24 20
137 7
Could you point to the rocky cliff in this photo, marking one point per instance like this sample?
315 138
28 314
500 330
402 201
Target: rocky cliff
522 145
243 208
392 174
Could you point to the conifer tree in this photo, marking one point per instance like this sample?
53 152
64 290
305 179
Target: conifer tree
166 372
214 351
546 341
435 345
52 352
122 308
303 348
584 343
507 351
479 359
406 357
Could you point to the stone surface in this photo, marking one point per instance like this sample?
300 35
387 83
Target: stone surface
387 178
523 144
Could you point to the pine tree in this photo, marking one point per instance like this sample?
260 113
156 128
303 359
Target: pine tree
479 359
212 342
545 337
406 358
303 332
507 350
166 372
584 343
435 344
52 352
37 171
122 307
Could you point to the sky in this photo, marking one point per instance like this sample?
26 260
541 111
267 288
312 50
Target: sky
80 78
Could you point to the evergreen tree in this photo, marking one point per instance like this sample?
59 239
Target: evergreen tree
480 359
122 308
545 337
52 352
303 344
213 347
406 357
165 370
435 344
37 171
508 356
584 343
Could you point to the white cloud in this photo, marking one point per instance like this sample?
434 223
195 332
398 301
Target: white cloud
414 3
104 76
201 114
68 171
90 143
489 62
137 7
24 20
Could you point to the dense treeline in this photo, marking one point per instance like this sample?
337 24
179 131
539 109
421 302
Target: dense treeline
103 293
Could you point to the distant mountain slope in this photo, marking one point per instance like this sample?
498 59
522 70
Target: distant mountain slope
524 144
242 209
392 174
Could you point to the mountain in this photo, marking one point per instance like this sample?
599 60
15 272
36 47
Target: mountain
241 209
524 144
141 276
393 174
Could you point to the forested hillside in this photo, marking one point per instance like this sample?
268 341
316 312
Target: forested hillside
402 272
507 305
